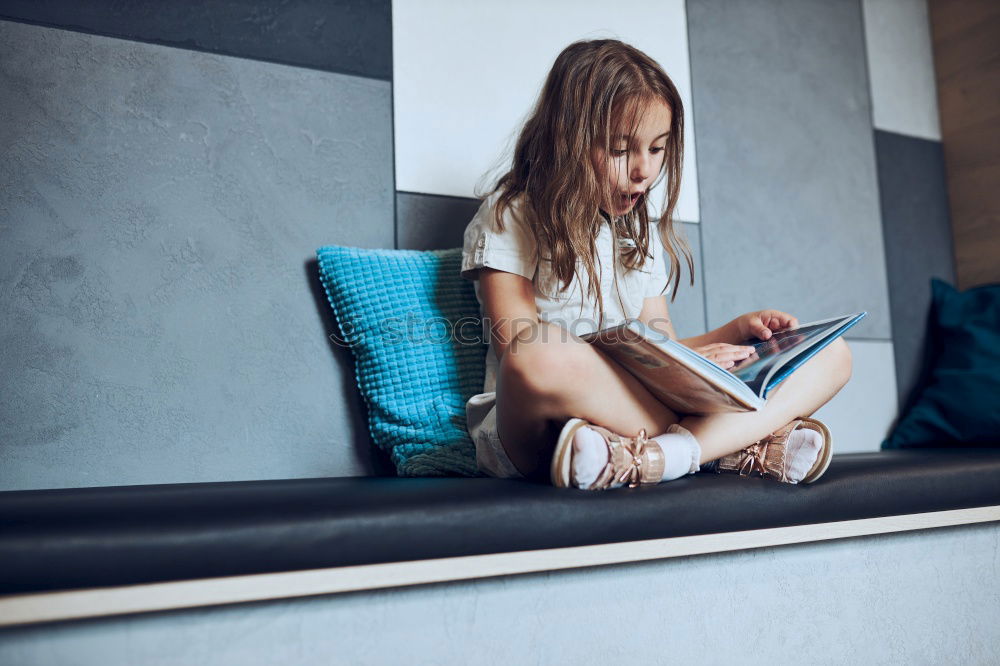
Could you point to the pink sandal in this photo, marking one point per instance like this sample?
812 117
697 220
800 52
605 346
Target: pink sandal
631 460
767 456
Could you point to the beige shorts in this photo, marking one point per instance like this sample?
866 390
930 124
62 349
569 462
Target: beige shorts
491 457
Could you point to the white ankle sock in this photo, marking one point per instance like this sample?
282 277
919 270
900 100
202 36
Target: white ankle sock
801 450
590 455
681 454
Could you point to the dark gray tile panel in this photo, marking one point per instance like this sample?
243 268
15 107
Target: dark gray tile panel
786 162
427 221
430 221
918 242
160 318
347 36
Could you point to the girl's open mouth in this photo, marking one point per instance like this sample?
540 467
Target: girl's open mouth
631 198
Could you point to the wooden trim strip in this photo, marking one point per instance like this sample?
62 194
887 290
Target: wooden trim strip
19 609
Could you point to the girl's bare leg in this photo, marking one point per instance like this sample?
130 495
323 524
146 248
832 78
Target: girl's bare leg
549 376
802 393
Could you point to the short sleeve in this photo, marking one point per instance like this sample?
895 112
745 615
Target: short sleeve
658 283
512 250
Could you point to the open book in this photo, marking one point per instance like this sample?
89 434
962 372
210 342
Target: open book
689 383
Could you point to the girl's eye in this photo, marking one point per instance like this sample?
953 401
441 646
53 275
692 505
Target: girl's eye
620 153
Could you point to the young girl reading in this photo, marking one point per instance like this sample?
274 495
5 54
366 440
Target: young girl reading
562 246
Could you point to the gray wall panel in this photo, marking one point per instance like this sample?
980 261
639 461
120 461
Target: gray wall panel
159 311
787 177
687 311
430 221
343 36
918 242
427 221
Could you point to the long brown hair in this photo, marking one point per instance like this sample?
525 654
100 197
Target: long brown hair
592 86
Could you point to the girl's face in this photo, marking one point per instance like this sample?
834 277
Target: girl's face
628 169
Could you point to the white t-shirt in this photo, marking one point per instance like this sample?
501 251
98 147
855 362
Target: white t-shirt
514 251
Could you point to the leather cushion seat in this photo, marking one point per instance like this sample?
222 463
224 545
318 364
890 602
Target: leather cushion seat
74 538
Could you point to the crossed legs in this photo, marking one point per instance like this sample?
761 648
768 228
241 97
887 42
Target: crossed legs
548 376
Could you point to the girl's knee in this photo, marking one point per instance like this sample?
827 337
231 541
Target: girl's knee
545 359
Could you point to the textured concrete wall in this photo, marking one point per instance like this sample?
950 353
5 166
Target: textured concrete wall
786 160
346 36
160 205
159 318
787 176
915 598
159 310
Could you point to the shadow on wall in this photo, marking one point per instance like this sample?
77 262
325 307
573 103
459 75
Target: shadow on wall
377 459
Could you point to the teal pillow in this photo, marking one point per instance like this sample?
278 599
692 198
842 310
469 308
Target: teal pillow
413 325
960 404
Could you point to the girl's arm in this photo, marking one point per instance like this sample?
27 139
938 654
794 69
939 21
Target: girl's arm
722 334
760 325
714 345
508 305
656 315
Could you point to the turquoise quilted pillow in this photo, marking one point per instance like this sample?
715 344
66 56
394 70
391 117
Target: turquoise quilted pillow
413 325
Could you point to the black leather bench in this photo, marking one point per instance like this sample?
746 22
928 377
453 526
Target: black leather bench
115 536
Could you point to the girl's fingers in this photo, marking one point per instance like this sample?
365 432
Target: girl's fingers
781 320
726 357
761 329
722 348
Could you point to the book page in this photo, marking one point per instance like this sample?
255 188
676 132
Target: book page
671 383
767 353
777 357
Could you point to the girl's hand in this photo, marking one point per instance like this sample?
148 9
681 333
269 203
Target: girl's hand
724 355
762 324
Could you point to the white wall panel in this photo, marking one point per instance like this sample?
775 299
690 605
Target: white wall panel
901 67
467 73
859 417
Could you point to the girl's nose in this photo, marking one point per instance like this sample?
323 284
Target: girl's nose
640 169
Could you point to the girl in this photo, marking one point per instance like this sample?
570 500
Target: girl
562 246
